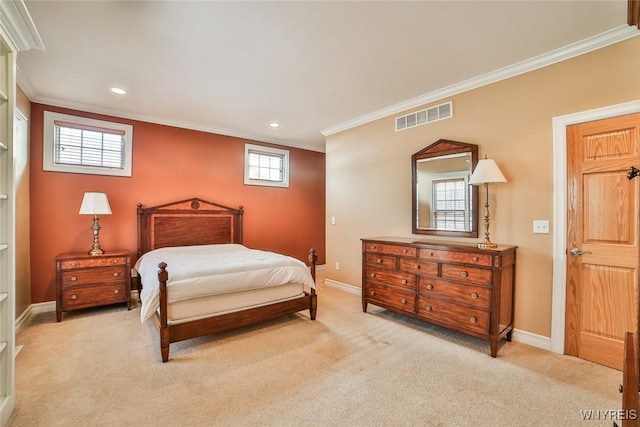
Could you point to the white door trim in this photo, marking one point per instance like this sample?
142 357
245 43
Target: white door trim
560 123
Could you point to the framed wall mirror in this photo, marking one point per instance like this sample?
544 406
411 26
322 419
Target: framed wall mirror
444 203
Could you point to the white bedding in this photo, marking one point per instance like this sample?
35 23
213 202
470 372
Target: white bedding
206 270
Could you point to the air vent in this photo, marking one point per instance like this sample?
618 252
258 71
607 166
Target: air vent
419 118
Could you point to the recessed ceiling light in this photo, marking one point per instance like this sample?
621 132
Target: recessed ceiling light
274 125
118 91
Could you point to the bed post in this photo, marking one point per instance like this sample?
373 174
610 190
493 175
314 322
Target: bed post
313 259
163 276
140 230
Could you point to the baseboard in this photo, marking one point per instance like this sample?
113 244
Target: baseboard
356 290
534 340
48 307
519 335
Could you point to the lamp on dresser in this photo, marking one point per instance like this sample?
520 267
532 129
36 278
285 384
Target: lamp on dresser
95 204
486 172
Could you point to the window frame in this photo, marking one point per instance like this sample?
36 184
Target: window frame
456 179
269 151
49 146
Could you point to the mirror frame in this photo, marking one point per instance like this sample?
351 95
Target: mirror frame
439 148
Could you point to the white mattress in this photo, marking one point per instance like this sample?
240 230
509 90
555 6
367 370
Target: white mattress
198 308
206 270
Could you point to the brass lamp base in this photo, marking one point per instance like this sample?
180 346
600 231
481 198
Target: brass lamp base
487 245
96 249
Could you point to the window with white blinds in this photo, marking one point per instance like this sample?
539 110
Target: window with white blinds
266 166
81 145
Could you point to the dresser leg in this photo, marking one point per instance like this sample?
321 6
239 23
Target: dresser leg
364 306
59 315
494 348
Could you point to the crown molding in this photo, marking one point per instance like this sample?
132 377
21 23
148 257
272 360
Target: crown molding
179 124
17 25
587 45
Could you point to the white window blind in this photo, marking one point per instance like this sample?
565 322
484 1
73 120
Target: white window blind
82 145
88 146
449 204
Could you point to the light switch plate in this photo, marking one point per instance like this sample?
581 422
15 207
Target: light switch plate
541 226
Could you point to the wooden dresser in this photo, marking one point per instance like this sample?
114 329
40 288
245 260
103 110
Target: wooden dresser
457 286
84 280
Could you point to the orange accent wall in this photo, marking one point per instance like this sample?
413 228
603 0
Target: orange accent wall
170 164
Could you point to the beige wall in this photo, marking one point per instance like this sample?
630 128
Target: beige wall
369 167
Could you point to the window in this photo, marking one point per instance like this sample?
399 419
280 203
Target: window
450 197
80 145
266 166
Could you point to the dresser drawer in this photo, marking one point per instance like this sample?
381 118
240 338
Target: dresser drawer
457 292
390 249
93 275
452 256
388 261
393 298
92 295
392 278
92 262
417 266
454 314
479 276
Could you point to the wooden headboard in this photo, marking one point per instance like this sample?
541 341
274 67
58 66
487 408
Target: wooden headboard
187 222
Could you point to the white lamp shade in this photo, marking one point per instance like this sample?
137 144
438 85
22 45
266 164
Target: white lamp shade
486 172
95 204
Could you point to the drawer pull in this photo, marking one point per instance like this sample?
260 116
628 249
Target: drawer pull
373 274
473 320
373 248
417 266
379 260
428 308
430 253
475 259
403 281
73 278
464 274
116 274
74 296
115 291
429 286
474 296
404 301
373 293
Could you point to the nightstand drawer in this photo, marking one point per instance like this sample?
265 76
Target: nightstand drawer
92 295
93 275
92 262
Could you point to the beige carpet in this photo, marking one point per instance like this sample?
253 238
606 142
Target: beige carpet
101 367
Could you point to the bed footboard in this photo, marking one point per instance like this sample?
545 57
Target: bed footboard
211 325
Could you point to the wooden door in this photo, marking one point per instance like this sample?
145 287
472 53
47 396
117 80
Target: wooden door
602 224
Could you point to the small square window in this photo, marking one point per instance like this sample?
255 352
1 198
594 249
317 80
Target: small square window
266 166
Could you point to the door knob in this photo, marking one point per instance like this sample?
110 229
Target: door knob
577 252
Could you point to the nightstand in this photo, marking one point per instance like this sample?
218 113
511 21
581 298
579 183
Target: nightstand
84 280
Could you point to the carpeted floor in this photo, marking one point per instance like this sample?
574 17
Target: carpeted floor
101 367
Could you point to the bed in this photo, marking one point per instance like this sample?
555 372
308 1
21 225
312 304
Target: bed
197 278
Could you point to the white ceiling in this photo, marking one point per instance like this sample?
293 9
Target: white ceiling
233 67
